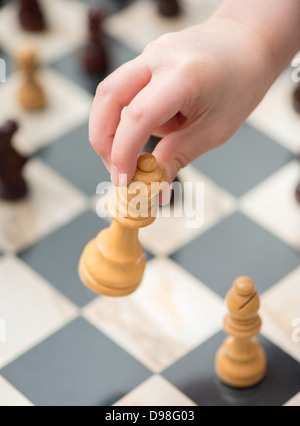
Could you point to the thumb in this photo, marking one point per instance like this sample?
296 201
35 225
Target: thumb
177 150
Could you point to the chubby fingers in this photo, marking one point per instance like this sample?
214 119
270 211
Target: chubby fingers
156 104
113 94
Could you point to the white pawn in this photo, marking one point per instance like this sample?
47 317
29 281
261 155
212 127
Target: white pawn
31 95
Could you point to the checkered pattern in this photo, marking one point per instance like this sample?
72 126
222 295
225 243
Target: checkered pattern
66 346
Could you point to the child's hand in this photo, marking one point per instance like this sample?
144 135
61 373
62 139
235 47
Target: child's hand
193 88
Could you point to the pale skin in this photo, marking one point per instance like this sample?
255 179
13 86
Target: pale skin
194 88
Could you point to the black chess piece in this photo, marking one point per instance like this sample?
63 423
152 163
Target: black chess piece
169 8
296 99
94 56
12 183
150 147
298 193
31 16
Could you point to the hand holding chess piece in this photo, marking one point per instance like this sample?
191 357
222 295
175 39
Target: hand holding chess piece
241 362
31 16
31 94
94 56
113 264
12 183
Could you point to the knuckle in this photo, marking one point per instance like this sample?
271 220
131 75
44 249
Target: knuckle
166 39
105 87
191 68
149 47
135 111
161 42
180 160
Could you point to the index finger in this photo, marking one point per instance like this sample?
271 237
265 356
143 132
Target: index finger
112 95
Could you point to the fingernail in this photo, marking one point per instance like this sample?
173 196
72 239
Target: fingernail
115 175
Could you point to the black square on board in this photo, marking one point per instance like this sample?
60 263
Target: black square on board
246 160
56 257
194 375
73 157
237 246
77 366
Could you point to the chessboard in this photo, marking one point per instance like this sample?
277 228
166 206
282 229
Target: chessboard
66 346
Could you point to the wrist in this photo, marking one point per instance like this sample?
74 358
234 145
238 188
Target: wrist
274 25
248 51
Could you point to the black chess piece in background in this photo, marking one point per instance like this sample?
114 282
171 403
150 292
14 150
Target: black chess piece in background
31 16
298 193
169 8
94 55
296 99
150 147
12 183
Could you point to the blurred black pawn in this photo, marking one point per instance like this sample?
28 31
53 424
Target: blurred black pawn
298 193
169 8
150 147
296 99
12 183
31 16
93 55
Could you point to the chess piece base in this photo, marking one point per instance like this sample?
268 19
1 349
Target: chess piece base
113 264
13 192
99 287
32 97
241 373
94 58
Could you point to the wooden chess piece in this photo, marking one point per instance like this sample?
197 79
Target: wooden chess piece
31 16
12 183
94 56
241 362
169 8
31 94
113 264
